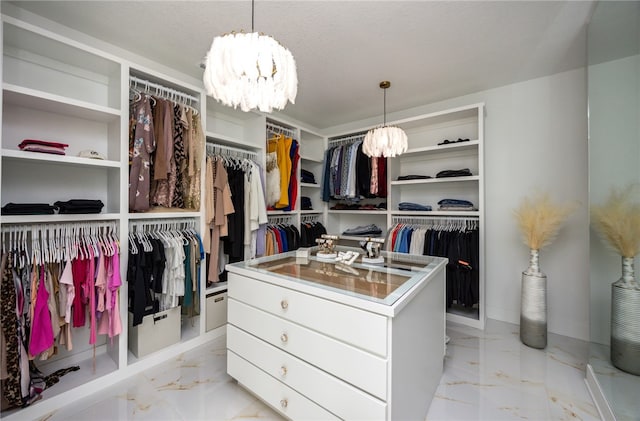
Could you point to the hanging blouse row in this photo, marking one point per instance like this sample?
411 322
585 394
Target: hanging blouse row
55 278
456 239
164 267
235 209
166 143
283 155
351 175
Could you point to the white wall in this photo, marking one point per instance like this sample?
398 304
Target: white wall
614 161
535 138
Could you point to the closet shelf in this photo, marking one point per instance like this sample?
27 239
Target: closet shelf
360 212
58 159
315 186
279 212
218 286
436 180
170 213
308 158
228 140
434 213
53 219
310 212
56 104
461 146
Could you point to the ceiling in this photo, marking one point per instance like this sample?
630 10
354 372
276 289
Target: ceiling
429 50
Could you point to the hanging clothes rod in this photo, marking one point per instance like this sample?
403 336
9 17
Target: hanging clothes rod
173 223
347 139
169 93
276 129
216 149
310 218
52 226
279 219
422 219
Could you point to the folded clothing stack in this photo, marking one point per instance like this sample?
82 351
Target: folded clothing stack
33 145
307 177
413 177
409 206
305 203
363 230
456 205
27 209
76 206
454 173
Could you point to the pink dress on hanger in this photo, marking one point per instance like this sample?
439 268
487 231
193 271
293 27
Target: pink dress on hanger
41 328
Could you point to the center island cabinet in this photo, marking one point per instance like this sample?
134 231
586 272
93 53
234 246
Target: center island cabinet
318 339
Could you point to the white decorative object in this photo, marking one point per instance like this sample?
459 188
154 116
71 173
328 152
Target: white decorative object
386 141
250 71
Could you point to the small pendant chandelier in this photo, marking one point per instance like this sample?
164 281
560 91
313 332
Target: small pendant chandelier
386 141
250 71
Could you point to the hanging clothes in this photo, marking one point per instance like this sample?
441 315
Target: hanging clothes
166 146
457 242
38 293
348 174
140 149
163 271
281 238
309 232
235 209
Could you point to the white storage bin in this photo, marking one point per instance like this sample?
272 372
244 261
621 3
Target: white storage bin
157 331
216 309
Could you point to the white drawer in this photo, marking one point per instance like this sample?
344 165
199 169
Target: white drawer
282 398
359 328
342 399
362 369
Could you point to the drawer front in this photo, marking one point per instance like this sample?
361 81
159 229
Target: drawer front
282 398
359 368
359 328
342 399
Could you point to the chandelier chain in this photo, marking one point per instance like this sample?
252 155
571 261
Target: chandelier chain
252 13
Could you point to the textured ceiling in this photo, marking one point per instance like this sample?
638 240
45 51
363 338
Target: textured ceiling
430 50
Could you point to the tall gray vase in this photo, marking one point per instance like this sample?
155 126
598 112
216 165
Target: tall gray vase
533 305
625 320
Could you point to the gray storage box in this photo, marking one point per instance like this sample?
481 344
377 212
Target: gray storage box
157 331
216 309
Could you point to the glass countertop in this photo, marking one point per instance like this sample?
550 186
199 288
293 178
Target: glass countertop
383 283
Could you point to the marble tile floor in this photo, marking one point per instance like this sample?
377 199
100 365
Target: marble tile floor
488 375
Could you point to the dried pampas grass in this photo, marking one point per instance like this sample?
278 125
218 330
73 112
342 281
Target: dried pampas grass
618 221
540 219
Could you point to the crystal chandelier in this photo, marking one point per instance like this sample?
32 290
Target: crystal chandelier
387 141
250 71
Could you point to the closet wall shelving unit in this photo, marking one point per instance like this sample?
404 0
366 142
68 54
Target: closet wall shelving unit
312 146
425 157
55 88
147 81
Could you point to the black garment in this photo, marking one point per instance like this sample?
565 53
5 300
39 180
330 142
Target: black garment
234 242
363 174
309 232
462 248
413 177
454 173
307 176
305 203
79 206
27 209
139 275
